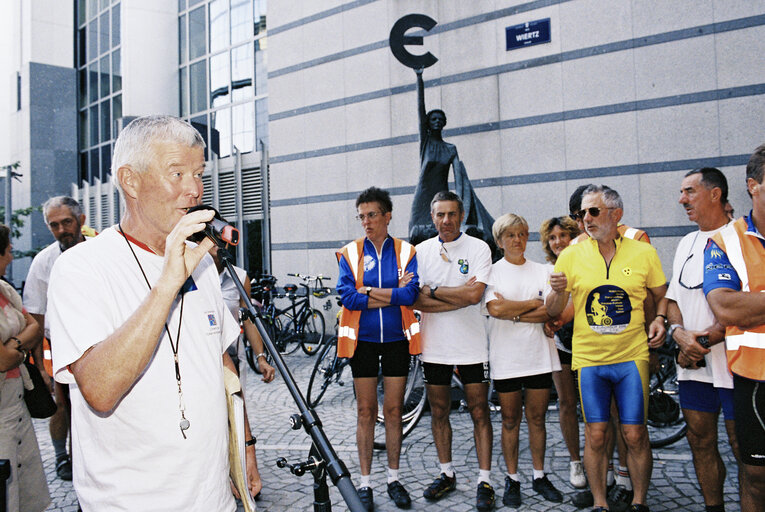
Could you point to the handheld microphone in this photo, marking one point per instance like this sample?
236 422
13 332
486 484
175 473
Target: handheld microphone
218 229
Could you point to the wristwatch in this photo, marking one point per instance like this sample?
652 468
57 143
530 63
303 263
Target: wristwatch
368 290
672 330
433 292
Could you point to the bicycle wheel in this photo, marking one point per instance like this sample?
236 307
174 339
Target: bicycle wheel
324 372
414 403
312 331
288 339
665 421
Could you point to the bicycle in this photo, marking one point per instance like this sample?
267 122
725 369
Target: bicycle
305 324
262 294
665 421
328 368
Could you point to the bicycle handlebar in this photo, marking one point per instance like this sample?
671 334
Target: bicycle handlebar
306 277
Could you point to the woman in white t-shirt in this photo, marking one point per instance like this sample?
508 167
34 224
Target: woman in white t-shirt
521 356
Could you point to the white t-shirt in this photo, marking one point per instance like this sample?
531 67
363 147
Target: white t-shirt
459 336
519 349
134 457
697 315
36 285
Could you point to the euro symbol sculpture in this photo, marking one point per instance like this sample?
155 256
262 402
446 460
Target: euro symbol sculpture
398 41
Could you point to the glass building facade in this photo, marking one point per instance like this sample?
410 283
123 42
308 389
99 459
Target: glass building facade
222 72
99 77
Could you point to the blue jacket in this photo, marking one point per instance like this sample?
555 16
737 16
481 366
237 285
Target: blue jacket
380 325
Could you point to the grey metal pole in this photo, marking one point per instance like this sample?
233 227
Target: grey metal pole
266 226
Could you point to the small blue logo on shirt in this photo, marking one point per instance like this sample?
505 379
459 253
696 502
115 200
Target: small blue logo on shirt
211 319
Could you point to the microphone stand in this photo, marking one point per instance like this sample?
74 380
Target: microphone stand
322 458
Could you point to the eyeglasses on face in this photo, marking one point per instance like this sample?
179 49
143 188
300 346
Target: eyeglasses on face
594 211
371 216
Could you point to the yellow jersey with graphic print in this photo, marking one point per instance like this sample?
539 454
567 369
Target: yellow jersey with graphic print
609 321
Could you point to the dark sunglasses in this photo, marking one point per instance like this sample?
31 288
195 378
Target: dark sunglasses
594 211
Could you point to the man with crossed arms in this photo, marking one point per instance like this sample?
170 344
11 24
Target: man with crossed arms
454 269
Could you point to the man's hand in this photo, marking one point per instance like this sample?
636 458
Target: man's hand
656 333
253 475
181 260
686 342
266 370
552 326
405 279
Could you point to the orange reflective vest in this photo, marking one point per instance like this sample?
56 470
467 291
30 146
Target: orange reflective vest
347 335
745 348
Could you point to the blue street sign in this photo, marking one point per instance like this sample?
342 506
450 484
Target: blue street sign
528 34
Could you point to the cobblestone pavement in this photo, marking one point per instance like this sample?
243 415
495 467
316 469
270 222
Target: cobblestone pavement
673 486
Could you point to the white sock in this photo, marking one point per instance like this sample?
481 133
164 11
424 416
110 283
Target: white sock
539 473
610 474
484 475
623 478
366 481
513 477
392 475
448 469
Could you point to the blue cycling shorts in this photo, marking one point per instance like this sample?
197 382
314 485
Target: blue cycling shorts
704 397
627 382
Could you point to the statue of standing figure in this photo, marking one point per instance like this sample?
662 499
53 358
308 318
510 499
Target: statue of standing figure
436 158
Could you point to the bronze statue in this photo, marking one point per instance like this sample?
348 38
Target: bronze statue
436 157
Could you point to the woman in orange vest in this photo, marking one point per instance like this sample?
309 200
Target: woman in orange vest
377 283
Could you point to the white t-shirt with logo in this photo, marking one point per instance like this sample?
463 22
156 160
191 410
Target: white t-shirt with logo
459 336
134 457
697 315
519 349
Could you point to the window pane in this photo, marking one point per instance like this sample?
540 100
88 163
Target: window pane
104 4
93 121
92 40
116 71
92 8
243 126
242 70
198 86
181 5
219 80
93 81
261 75
93 165
81 46
104 32
116 111
241 20
260 16
83 128
197 33
261 120
116 25
104 76
83 167
106 121
218 25
192 3
82 78
106 162
184 91
81 12
221 125
200 124
182 39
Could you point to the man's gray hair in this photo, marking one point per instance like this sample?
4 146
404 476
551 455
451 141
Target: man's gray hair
610 196
134 143
57 201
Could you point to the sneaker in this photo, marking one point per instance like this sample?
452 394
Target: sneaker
576 475
365 493
619 499
583 499
484 497
545 487
440 487
64 469
399 495
512 497
638 507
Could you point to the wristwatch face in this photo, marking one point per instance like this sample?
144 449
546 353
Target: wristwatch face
369 290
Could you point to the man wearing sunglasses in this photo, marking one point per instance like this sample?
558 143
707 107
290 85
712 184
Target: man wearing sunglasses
454 270
704 380
734 277
609 277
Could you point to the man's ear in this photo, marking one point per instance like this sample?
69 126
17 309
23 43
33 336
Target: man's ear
618 212
81 219
129 180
